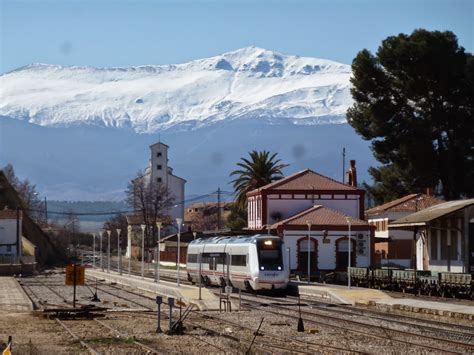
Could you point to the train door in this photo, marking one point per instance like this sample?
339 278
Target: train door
303 250
342 253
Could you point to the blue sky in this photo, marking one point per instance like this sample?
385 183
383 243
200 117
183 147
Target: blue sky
122 33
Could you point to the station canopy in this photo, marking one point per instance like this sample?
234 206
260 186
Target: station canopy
424 217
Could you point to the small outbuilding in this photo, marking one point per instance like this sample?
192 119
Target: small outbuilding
395 247
444 236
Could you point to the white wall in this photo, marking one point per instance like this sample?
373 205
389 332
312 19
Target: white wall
176 187
288 207
326 252
163 161
8 235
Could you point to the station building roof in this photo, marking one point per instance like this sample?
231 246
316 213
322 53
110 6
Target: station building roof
408 203
305 180
424 217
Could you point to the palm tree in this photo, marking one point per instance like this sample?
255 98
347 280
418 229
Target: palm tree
261 169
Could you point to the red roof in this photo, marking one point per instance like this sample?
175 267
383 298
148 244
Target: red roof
305 180
409 203
320 216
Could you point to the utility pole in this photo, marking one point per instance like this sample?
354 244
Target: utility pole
218 208
343 165
18 236
46 211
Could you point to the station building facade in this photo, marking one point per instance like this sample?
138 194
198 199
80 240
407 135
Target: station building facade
310 204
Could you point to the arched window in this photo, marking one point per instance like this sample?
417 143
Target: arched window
303 254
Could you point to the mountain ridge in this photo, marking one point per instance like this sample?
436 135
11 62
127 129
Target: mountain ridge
249 83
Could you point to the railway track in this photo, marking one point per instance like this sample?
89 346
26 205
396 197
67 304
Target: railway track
460 331
97 337
426 342
276 342
354 325
432 335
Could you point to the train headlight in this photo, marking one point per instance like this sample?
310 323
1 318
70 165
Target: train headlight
279 267
268 242
262 268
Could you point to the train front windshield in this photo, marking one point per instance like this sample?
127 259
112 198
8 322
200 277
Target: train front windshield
269 255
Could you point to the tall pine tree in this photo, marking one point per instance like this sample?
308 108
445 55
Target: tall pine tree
414 100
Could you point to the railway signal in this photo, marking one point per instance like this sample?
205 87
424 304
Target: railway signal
159 301
75 275
300 320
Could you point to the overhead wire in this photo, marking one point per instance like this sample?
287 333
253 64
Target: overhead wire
106 213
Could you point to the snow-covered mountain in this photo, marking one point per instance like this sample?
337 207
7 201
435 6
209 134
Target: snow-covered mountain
250 83
82 133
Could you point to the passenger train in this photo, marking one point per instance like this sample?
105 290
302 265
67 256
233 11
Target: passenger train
246 262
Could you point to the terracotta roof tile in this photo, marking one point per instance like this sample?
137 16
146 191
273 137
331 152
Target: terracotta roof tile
320 215
306 180
409 203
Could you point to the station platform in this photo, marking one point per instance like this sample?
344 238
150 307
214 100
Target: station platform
13 298
445 309
186 293
370 297
340 294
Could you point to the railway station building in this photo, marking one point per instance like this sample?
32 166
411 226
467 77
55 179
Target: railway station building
310 204
444 236
395 247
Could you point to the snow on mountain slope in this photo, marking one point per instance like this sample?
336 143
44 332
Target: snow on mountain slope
247 83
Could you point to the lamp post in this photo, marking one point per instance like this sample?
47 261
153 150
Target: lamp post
349 220
93 250
309 250
157 270
143 250
119 251
179 221
129 248
109 232
100 246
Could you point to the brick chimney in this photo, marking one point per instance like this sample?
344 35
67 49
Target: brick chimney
352 174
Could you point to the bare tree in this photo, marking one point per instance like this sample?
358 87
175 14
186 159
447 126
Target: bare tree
28 195
152 199
207 219
118 221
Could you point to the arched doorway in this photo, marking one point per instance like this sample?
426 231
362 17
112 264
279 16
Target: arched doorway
342 251
303 254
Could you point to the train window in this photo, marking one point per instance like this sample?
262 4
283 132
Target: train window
239 260
192 258
212 263
270 255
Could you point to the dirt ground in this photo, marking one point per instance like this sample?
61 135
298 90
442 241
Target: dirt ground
32 334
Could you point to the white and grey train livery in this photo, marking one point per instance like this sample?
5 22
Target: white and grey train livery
246 262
